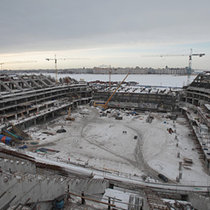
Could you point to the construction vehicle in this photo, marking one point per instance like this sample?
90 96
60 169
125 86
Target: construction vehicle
104 105
69 115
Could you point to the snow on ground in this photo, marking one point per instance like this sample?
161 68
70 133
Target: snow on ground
93 140
130 146
160 149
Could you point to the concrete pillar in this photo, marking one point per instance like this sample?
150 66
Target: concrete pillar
180 166
109 203
180 175
82 198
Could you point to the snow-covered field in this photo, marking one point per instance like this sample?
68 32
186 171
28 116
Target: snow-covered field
130 147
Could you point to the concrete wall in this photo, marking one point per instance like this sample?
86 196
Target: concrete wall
17 166
33 187
154 102
88 186
39 188
199 202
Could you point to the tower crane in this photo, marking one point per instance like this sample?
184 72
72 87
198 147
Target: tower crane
189 71
190 59
55 59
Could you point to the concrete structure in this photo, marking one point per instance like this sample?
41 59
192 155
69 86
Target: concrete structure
25 181
35 98
199 201
198 92
51 181
140 98
30 180
195 103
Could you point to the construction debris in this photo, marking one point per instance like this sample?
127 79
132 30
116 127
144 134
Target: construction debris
170 130
188 161
48 133
154 201
118 118
62 130
149 119
69 115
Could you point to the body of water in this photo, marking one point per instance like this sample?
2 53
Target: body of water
142 79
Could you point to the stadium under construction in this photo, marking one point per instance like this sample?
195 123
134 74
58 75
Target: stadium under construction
41 170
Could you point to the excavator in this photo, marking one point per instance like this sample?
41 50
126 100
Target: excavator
104 105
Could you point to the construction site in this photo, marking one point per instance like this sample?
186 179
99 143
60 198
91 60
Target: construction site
115 145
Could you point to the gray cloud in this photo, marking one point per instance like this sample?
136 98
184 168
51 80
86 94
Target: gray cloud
64 24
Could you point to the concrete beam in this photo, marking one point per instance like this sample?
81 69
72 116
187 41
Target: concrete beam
5 86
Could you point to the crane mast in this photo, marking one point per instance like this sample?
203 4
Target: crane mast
190 60
55 59
189 70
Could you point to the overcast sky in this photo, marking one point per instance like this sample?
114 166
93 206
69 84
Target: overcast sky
110 32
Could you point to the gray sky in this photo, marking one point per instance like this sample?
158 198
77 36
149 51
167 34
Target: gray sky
111 32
